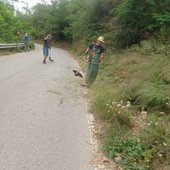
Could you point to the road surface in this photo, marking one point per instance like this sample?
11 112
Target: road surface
43 118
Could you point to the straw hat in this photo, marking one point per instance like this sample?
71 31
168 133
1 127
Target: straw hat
101 39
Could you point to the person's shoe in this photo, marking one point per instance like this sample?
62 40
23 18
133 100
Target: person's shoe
44 62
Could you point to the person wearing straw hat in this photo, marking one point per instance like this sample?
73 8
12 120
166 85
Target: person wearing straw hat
96 56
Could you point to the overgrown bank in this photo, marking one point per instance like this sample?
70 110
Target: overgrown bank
132 97
132 91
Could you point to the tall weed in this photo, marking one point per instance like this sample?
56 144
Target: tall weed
100 96
153 95
156 135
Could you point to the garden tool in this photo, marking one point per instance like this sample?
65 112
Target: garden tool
77 72
50 59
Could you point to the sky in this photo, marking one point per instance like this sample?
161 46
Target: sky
30 3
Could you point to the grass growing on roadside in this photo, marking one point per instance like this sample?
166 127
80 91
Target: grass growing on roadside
154 96
101 96
128 82
142 81
156 134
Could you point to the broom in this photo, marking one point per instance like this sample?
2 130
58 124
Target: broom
50 59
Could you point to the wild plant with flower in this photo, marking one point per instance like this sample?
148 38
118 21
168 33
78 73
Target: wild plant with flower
120 112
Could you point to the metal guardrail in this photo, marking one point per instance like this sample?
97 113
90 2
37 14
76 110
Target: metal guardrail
12 45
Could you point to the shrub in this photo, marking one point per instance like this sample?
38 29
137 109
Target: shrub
130 152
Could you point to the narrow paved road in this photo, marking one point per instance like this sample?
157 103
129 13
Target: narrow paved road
43 119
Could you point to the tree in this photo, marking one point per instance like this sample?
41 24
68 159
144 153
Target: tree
135 18
10 24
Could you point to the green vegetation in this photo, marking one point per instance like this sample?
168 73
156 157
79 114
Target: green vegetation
11 24
132 154
132 91
128 84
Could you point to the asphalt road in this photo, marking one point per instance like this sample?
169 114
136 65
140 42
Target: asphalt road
43 118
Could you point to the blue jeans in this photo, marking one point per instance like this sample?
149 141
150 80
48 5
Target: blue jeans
45 51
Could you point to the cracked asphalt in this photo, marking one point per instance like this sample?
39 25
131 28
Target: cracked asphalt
43 116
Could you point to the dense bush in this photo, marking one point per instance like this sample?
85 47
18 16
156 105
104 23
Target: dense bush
11 24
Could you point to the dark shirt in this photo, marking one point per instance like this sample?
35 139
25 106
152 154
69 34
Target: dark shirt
46 43
98 47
